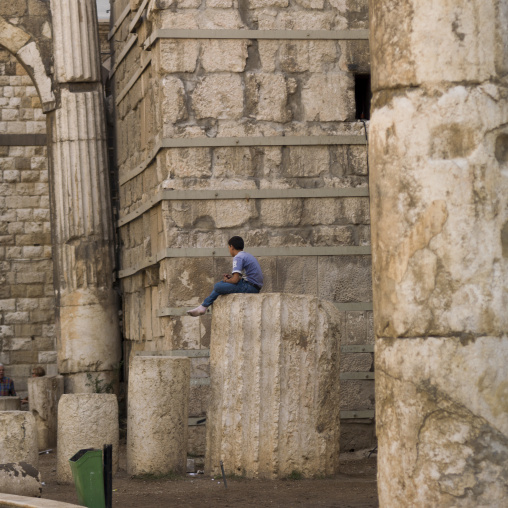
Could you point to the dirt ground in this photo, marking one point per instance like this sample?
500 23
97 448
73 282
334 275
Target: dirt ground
353 487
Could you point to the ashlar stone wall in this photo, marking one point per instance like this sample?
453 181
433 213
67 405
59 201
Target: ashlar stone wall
192 115
27 299
27 317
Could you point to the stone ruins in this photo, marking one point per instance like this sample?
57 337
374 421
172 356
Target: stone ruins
132 149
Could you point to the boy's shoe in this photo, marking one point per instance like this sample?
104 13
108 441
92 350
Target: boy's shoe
198 311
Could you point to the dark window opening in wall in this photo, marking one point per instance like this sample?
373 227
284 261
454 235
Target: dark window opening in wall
362 96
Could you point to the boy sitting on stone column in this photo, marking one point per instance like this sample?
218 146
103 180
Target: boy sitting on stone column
246 276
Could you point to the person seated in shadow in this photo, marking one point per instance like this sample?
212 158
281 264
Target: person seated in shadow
6 384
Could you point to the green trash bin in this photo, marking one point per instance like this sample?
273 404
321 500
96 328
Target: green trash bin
86 467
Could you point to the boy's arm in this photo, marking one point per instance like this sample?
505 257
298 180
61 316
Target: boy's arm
232 279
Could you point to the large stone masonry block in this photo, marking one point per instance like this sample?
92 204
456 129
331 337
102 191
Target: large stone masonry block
18 438
174 55
267 96
443 435
43 396
328 98
274 405
224 55
10 403
157 422
218 96
85 420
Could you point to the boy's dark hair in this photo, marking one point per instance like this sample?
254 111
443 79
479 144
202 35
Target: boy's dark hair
236 242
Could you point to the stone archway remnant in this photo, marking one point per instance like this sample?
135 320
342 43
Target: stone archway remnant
439 206
21 44
68 79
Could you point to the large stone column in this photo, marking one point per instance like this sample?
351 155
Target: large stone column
83 242
274 406
439 205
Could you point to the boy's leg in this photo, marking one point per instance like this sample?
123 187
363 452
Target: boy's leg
222 288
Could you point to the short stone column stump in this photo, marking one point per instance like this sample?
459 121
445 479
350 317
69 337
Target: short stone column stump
20 479
274 407
18 438
85 420
157 415
43 396
10 404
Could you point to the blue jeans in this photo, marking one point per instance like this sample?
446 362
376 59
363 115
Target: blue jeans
226 288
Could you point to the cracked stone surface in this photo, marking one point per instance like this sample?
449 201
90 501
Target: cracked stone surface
274 405
157 428
443 435
439 211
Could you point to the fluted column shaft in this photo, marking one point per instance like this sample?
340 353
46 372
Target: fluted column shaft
83 237
274 369
439 209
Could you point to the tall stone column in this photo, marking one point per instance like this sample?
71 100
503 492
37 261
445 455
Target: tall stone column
439 205
82 223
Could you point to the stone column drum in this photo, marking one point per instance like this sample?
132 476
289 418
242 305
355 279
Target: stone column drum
157 415
439 207
18 438
43 396
85 420
10 403
274 406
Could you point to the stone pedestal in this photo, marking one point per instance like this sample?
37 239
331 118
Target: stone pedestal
20 479
10 403
274 407
18 438
43 396
85 420
157 415
439 207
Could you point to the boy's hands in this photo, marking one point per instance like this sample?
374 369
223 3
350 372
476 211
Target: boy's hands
226 277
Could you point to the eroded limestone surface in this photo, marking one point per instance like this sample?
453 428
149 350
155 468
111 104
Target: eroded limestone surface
85 420
157 426
443 432
274 405
18 438
439 206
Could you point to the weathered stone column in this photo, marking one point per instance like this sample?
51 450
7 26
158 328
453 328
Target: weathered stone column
85 420
88 338
439 196
18 438
274 407
157 415
43 396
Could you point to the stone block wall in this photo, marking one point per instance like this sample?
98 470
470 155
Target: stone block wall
27 330
27 300
175 98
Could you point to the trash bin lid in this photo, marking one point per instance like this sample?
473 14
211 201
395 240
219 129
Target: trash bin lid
80 454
